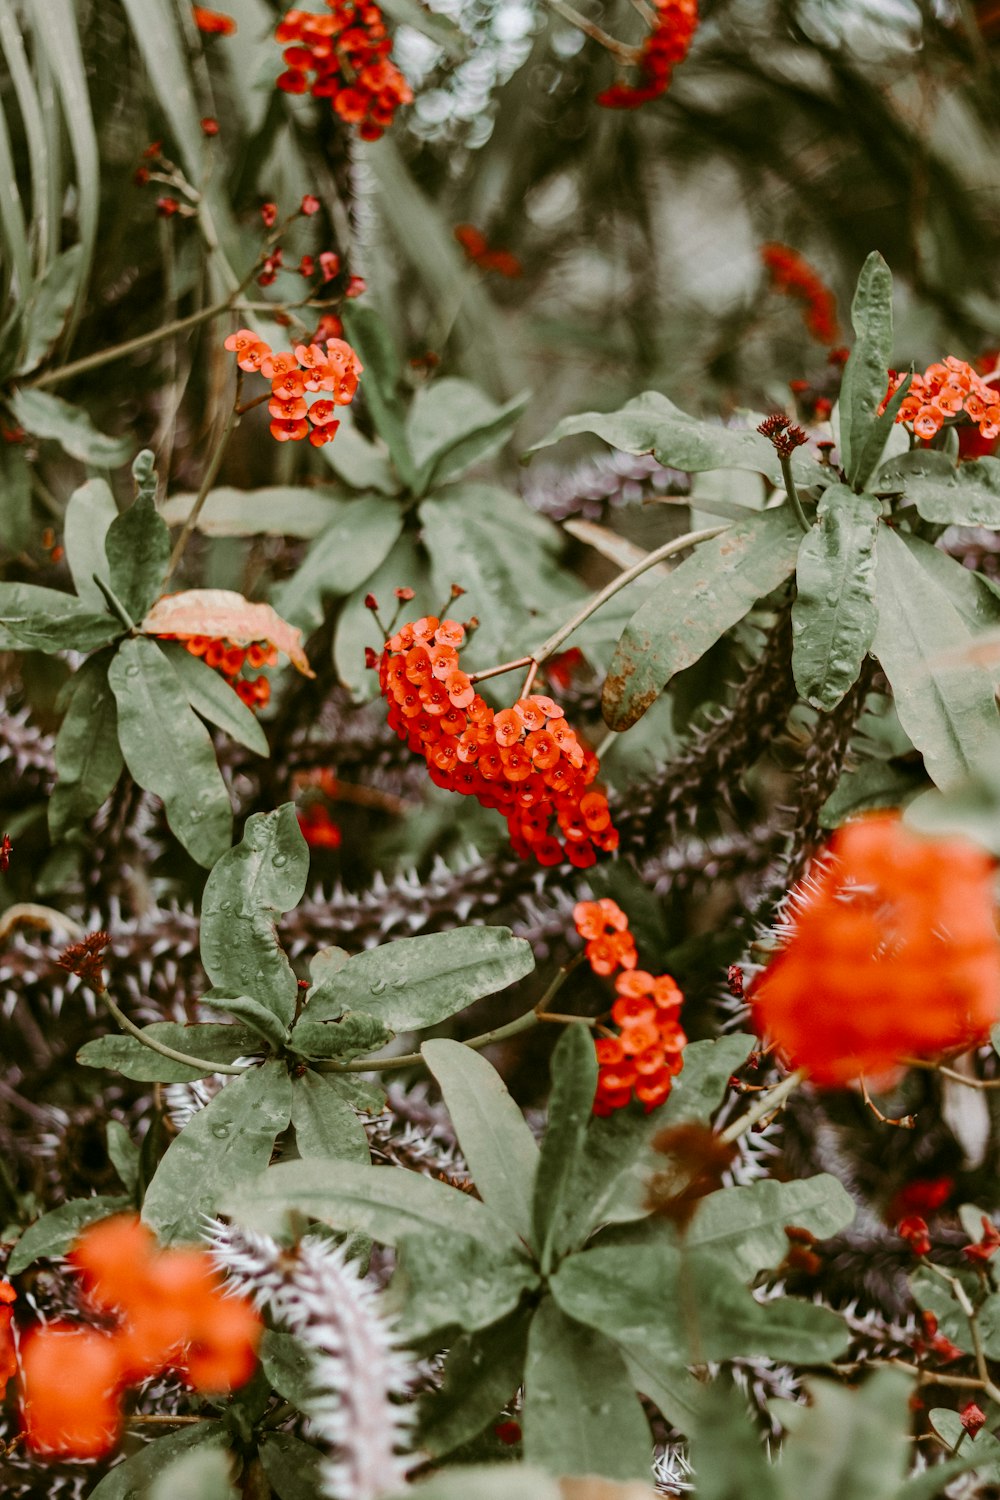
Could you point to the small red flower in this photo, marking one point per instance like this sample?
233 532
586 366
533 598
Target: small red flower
309 205
212 22
209 125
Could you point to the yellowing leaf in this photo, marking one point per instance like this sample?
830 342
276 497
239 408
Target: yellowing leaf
222 614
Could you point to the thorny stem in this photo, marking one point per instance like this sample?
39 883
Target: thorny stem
214 463
765 1105
785 459
161 1047
970 1083
526 1022
905 1122
572 15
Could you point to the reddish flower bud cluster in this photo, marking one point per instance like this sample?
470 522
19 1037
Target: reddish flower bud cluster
524 762
666 45
647 1054
477 250
347 52
973 1418
984 1249
85 959
891 951
229 658
913 1229
173 1314
947 392
309 369
792 274
782 433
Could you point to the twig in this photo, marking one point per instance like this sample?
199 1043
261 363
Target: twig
214 464
905 1122
767 1104
573 16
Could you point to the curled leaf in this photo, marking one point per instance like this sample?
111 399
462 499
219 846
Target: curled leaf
220 613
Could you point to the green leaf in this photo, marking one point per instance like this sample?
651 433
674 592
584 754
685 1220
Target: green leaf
382 1202
945 704
415 982
325 1124
360 536
16 531
738 1467
88 756
89 513
362 465
46 416
132 1478
651 424
138 550
451 1280
491 1130
481 1373
289 1365
645 1296
205 1474
272 510
574 1080
294 1468
353 1035
834 615
964 495
49 306
123 1154
54 1232
675 1391
160 43
452 425
220 1151
128 1056
214 699
746 1225
704 597
933 1482
405 567
704 1080
506 558
169 751
849 1445
255 1015
47 620
866 374
581 1414
252 884
380 383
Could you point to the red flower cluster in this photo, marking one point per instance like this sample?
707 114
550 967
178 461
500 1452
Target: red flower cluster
948 391
309 369
348 54
212 22
647 1054
173 1314
666 45
891 952
477 250
525 762
227 657
791 273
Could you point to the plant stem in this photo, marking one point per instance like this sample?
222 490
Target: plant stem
573 16
214 464
505 666
526 1022
115 604
130 346
766 1104
162 1048
786 473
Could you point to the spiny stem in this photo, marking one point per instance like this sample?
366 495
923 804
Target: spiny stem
214 464
785 459
161 1047
767 1103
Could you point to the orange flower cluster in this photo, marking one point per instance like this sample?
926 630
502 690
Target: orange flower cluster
293 374
524 762
666 45
477 250
792 274
227 657
647 1054
948 390
212 22
173 1315
348 54
891 952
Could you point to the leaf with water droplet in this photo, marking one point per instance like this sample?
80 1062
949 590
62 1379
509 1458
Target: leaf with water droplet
224 1145
834 615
